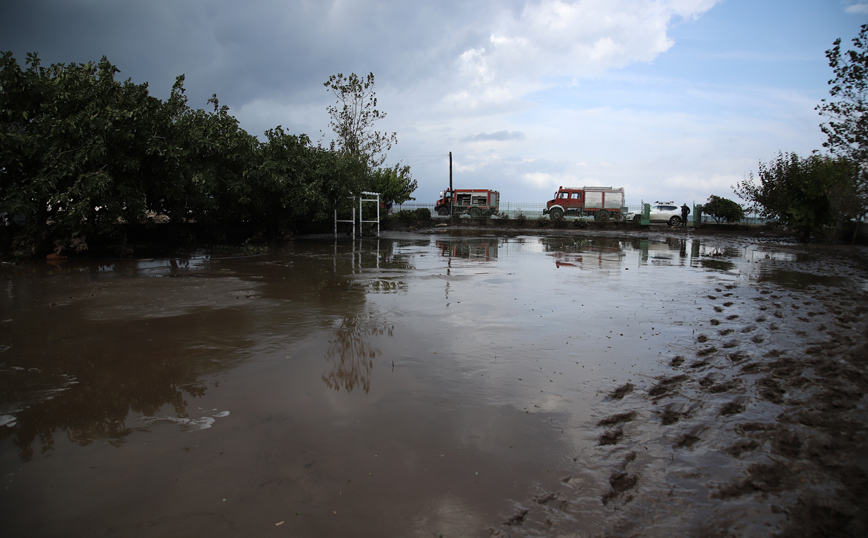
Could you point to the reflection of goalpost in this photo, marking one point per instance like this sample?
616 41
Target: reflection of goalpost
365 197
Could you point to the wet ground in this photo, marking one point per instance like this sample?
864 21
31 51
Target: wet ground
640 384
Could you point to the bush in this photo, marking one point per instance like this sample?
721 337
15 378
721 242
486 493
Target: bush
423 213
404 215
721 209
407 215
521 219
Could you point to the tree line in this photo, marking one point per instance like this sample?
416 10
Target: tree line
823 193
88 161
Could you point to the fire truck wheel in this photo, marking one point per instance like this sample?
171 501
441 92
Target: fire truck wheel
475 213
602 216
556 214
443 211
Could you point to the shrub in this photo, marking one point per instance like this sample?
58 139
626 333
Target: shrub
423 213
721 209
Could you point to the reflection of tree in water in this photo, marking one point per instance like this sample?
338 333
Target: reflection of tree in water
93 404
86 392
351 354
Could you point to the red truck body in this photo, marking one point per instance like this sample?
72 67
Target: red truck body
603 203
473 202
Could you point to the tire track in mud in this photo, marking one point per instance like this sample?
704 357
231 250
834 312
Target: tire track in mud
760 429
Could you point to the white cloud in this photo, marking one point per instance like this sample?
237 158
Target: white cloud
859 9
534 47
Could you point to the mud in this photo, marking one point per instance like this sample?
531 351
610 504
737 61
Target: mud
771 425
646 384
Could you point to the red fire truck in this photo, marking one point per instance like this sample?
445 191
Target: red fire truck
474 202
603 203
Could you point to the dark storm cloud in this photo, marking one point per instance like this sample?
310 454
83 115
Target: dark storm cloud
242 51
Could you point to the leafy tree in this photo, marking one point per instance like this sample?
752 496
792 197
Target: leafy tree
301 182
722 209
353 118
395 184
801 193
77 151
86 158
847 110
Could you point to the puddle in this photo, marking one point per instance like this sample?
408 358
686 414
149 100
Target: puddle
426 385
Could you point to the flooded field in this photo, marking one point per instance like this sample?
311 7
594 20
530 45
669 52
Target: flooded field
646 384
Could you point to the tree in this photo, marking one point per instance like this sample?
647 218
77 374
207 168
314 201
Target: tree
847 110
804 194
84 157
299 182
77 151
353 118
722 209
395 184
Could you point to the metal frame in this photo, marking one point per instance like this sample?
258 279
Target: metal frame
365 197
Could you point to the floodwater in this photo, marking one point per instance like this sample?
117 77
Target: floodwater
409 385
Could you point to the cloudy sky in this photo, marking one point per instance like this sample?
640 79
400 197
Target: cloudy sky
670 99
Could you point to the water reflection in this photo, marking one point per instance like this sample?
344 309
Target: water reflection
579 251
480 249
352 354
799 280
88 394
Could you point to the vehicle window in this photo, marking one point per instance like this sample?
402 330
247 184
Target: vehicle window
577 196
562 195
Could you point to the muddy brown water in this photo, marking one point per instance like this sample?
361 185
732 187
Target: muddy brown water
431 385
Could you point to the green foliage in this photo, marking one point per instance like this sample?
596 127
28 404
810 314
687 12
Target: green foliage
847 110
723 209
80 151
298 181
395 185
421 214
803 194
86 158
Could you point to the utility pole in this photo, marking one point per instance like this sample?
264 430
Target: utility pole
450 170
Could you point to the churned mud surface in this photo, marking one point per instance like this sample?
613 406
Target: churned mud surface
653 383
756 428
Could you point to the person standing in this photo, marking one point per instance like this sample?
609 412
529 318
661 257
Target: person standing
684 212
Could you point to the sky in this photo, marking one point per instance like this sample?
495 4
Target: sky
669 99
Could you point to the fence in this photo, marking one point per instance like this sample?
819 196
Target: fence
534 210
